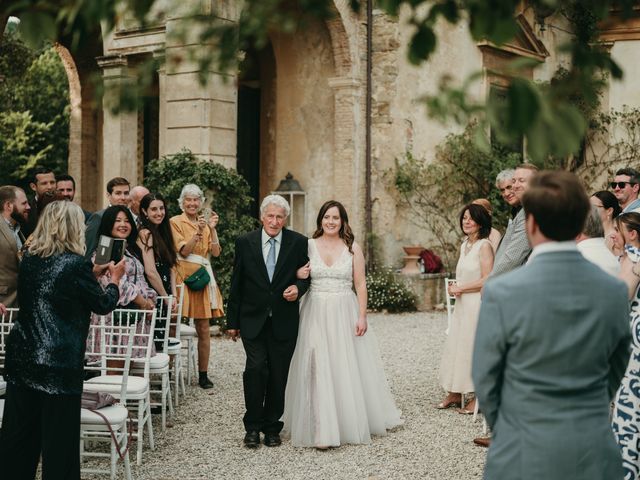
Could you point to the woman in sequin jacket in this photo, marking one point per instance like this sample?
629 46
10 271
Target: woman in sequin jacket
58 290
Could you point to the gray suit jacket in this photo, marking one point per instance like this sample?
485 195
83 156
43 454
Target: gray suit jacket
8 266
514 248
551 347
91 232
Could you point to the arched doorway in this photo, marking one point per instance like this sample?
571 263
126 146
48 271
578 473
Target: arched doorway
286 115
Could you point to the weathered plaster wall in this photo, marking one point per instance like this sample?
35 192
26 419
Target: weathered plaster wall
626 92
400 121
303 115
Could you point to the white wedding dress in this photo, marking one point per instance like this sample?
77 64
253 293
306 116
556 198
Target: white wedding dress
337 391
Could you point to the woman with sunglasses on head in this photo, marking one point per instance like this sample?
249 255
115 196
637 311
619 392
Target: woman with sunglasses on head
626 410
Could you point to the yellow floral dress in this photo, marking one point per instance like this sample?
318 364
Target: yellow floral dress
196 305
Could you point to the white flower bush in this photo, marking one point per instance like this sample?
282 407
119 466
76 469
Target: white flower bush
386 293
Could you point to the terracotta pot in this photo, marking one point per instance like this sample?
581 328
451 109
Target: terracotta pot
413 250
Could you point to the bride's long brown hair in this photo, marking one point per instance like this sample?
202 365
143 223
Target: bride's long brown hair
345 233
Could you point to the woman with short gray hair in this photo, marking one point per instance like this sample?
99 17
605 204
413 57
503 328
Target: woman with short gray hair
196 239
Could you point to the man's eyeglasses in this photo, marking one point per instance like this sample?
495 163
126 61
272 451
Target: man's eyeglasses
620 185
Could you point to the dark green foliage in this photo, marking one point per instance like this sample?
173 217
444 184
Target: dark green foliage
386 292
436 192
34 110
227 192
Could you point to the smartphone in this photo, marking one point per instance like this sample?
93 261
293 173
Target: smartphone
109 250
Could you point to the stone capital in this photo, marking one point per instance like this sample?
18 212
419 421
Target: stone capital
112 61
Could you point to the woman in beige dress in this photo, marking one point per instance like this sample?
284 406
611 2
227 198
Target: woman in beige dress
474 266
196 240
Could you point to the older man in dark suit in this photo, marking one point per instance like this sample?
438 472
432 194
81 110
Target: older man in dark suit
551 347
263 310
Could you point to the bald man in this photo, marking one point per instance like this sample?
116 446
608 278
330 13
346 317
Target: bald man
136 194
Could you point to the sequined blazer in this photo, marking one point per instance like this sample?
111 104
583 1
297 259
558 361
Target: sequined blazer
46 347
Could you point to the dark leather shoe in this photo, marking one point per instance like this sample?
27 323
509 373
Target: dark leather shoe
252 439
482 441
272 439
205 383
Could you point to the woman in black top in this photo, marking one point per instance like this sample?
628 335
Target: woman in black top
156 244
58 291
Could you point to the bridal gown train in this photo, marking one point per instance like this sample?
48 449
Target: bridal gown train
337 391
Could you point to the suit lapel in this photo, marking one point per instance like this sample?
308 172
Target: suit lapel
287 242
256 247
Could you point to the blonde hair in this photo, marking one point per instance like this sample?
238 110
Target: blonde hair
60 229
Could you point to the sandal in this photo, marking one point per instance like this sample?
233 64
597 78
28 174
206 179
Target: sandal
465 411
449 404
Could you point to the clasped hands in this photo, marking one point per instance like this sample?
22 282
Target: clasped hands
454 290
290 295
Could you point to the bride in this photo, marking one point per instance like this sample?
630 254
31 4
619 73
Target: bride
337 391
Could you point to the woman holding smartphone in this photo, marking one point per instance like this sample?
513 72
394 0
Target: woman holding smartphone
195 240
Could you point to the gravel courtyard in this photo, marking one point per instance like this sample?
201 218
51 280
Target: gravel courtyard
205 441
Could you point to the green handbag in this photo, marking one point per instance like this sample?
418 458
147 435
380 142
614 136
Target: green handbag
198 279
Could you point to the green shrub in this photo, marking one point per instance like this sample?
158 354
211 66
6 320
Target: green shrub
386 292
226 192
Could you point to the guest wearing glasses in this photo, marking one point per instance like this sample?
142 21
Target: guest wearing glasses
625 187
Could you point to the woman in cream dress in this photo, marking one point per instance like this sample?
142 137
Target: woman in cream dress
474 266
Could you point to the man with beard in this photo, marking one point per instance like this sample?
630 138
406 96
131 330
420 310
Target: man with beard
15 212
43 184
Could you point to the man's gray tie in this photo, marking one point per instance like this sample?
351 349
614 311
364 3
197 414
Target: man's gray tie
271 258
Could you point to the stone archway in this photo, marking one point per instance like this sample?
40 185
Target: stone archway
311 112
85 122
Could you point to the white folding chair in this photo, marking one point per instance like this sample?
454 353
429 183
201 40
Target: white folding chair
107 357
138 388
174 347
451 300
159 363
6 323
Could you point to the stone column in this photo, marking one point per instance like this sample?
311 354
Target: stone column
348 149
120 130
196 116
162 102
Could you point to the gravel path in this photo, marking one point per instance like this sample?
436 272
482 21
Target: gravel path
205 441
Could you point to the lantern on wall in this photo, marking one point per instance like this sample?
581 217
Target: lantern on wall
293 193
